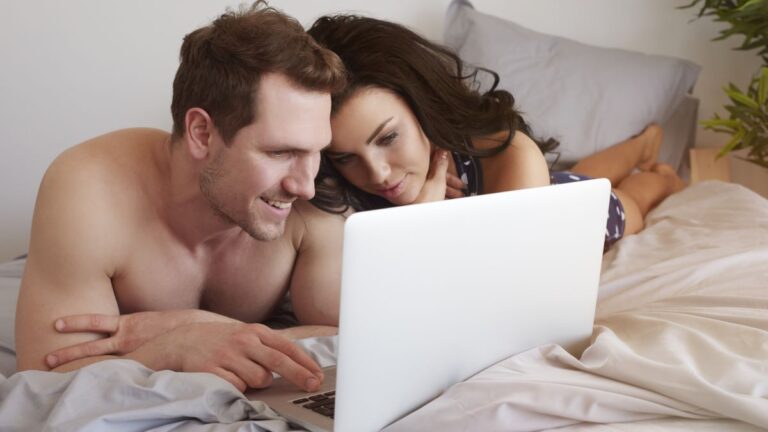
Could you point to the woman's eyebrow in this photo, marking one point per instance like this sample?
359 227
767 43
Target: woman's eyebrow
377 130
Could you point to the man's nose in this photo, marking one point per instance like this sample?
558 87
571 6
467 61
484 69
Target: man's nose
300 182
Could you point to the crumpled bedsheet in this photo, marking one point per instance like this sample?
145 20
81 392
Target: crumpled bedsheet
123 395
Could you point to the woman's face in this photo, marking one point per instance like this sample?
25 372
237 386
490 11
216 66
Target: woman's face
379 146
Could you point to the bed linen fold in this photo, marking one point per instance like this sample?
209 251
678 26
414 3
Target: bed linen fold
123 395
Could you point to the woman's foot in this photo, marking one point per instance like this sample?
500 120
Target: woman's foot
650 139
676 184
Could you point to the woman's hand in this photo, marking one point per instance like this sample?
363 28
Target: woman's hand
455 188
435 187
125 333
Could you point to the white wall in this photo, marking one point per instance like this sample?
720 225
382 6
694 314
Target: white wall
72 70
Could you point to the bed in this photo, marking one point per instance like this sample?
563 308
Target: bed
680 340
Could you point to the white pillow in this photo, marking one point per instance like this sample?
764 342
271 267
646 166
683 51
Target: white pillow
587 97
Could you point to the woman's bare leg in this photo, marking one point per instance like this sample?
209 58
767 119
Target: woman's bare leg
641 192
618 161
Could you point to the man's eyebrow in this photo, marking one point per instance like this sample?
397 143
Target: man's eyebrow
377 130
280 146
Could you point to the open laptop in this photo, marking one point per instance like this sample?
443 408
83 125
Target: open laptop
433 293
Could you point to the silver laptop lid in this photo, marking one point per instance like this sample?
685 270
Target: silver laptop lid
433 293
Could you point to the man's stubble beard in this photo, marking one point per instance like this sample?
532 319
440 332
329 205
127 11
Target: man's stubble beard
208 180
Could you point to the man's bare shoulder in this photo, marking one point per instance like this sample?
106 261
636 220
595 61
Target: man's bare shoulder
116 164
112 155
96 188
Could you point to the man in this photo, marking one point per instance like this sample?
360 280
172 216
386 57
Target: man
173 244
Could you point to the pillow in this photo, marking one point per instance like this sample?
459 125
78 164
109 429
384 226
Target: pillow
587 97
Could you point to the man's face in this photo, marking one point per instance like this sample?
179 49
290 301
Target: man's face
271 162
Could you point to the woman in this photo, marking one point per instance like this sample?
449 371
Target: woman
410 127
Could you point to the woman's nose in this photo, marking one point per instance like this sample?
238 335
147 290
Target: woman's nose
379 170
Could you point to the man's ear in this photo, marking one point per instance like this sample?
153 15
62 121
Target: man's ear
199 131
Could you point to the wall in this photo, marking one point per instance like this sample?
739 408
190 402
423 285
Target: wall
73 70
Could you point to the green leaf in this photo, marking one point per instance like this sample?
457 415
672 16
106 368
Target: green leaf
749 4
727 123
724 126
740 98
693 3
732 144
762 87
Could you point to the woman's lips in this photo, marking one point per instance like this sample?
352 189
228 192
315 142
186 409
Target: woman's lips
394 191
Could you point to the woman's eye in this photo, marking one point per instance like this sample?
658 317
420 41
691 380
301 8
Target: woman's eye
342 160
387 139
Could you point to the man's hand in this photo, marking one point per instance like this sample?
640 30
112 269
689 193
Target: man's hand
125 333
243 354
434 188
307 331
454 187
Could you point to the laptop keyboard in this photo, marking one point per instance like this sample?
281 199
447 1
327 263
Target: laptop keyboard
321 403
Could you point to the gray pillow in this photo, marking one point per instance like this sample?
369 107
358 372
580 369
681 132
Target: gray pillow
587 97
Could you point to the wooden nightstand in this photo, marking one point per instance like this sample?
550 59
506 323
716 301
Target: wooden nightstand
730 168
705 166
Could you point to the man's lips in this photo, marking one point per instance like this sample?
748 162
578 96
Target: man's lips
279 209
281 204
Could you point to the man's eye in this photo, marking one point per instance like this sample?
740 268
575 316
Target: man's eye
279 153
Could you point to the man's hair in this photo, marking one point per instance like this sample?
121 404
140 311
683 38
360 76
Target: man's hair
222 64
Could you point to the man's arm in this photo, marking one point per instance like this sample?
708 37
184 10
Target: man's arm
316 279
72 257
123 334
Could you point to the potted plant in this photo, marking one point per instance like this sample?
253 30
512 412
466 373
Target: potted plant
748 110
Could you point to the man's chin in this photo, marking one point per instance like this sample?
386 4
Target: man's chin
265 232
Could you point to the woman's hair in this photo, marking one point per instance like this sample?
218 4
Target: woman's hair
430 78
222 64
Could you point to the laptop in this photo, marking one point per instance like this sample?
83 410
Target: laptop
434 293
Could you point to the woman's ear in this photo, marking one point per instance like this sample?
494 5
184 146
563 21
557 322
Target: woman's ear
199 130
